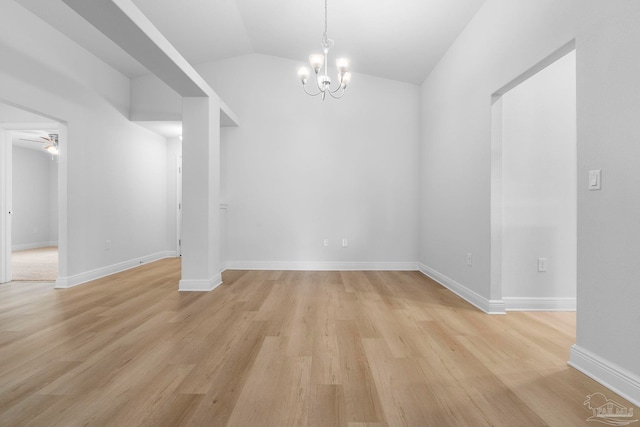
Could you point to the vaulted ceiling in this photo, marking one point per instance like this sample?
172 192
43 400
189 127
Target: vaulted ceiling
395 39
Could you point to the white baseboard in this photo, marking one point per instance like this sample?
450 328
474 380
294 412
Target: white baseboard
484 304
321 266
200 285
88 276
610 375
539 304
35 245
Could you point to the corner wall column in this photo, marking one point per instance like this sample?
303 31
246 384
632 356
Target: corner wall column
200 194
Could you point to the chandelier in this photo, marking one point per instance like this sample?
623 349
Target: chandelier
317 60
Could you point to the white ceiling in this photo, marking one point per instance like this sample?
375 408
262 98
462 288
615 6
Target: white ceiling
395 39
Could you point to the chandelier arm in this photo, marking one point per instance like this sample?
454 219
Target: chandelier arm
336 96
309 93
339 87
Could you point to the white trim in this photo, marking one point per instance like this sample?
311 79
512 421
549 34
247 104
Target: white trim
495 272
179 202
321 266
200 285
484 304
610 375
88 276
539 304
6 151
36 245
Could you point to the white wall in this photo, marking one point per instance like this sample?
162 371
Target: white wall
33 192
539 185
504 40
114 171
299 170
608 62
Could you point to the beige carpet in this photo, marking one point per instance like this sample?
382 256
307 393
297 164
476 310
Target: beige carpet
35 264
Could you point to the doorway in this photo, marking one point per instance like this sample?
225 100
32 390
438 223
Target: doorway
29 195
34 205
534 208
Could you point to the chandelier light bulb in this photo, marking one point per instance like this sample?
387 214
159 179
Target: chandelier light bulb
303 73
346 79
316 60
343 65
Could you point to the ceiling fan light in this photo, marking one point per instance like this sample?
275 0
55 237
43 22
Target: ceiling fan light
52 149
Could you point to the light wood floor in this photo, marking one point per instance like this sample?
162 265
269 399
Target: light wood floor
278 349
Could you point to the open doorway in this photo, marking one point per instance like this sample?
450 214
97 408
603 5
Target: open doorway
34 218
29 195
534 208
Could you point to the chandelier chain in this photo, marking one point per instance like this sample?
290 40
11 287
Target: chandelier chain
327 43
325 19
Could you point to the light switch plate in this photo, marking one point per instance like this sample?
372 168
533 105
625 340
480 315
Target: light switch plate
595 179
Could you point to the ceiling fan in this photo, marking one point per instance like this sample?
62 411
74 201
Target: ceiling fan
51 142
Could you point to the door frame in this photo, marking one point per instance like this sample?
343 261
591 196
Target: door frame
6 172
179 205
6 155
496 229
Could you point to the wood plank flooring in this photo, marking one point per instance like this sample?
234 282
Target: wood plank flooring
280 348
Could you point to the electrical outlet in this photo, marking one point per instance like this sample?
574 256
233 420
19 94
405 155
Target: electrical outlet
326 242
469 260
542 265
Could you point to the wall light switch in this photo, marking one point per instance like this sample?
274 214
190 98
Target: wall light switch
469 260
107 245
595 178
326 242
345 243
